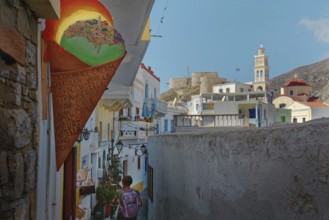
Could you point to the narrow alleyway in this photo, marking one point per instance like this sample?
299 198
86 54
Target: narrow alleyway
142 212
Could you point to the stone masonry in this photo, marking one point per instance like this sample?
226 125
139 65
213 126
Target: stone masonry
18 116
273 173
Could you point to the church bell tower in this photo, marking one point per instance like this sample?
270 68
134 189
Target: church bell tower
261 71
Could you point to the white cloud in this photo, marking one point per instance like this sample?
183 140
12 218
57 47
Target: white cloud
320 28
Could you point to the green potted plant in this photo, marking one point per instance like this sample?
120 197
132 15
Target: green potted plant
105 193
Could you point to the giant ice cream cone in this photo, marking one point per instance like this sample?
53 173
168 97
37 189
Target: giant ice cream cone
84 51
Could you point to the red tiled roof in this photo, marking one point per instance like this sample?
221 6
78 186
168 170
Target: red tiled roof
315 104
149 70
292 97
295 82
313 99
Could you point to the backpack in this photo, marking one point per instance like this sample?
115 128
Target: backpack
129 207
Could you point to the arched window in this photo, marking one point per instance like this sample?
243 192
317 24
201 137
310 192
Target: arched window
283 105
294 120
259 88
291 92
146 90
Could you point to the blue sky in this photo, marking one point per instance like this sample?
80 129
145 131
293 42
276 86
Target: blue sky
221 35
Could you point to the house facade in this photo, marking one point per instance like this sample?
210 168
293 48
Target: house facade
137 123
296 97
235 104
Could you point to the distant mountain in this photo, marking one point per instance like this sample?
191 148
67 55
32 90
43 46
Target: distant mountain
316 75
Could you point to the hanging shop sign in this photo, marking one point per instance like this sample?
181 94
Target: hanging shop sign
84 51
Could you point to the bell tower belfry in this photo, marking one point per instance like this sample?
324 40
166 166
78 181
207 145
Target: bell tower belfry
261 71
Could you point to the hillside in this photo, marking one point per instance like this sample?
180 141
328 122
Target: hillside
182 95
317 75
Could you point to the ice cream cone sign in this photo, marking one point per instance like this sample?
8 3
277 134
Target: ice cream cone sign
84 51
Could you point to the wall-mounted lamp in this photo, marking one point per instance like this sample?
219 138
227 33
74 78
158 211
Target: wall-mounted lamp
141 150
85 134
118 146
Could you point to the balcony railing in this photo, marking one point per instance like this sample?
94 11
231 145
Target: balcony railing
155 108
136 129
232 120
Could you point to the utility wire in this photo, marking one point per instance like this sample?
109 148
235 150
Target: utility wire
163 16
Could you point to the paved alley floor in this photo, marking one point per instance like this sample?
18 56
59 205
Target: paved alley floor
142 215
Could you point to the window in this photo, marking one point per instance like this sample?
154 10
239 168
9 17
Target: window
304 119
291 92
282 105
241 89
227 90
146 90
108 131
138 163
197 107
129 112
100 131
294 120
146 162
121 112
155 92
104 159
157 129
283 118
259 88
220 91
252 113
125 168
172 127
166 125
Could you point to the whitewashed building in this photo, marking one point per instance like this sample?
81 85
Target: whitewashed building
296 95
234 104
137 123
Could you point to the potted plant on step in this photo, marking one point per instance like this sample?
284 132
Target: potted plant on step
105 193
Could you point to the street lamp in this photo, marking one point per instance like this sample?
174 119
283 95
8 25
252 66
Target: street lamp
85 134
141 150
114 162
118 145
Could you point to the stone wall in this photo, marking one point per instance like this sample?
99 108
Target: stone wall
196 77
206 83
272 173
179 83
18 116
